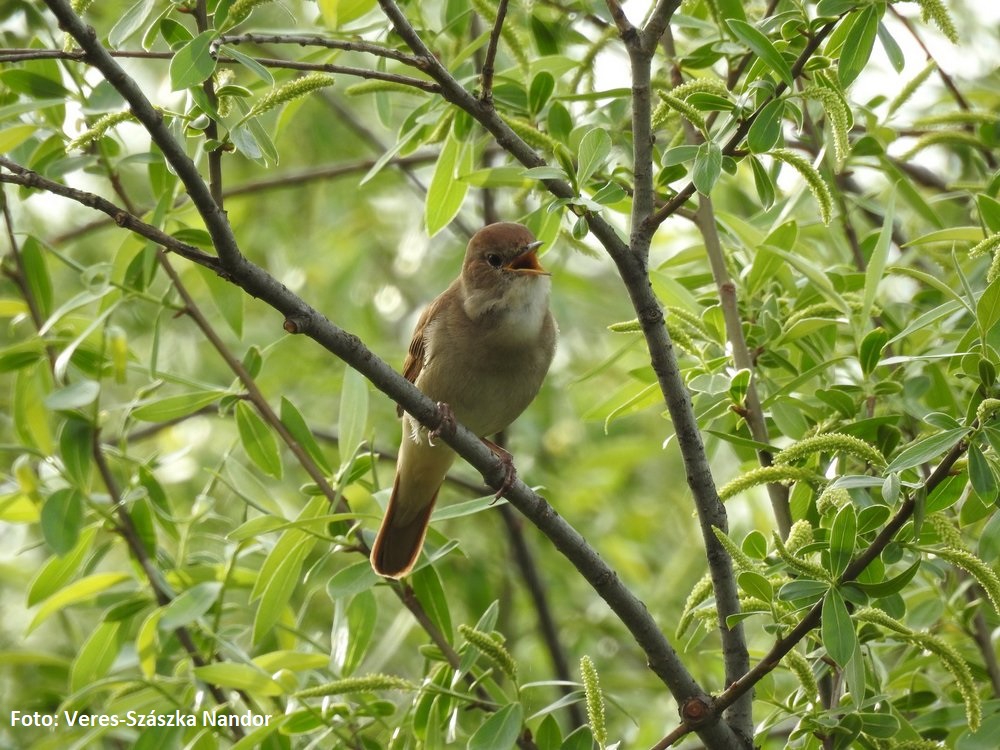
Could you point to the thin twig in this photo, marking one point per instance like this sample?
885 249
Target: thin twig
315 40
486 76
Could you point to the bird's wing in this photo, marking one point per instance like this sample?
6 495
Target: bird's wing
417 352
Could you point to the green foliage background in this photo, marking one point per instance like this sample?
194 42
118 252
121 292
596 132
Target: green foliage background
846 216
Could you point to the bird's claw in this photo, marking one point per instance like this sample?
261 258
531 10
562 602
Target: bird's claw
446 426
510 472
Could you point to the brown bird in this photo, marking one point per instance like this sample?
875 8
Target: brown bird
481 350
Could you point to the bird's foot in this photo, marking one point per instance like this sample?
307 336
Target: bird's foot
446 426
510 473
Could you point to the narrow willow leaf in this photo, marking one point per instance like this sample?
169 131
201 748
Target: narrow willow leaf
839 638
175 407
429 590
258 440
763 48
292 418
707 167
870 350
78 591
96 656
130 22
500 731
926 449
189 605
762 183
876 264
858 46
352 580
595 146
542 86
240 677
353 419
193 62
446 193
61 517
843 537
988 307
766 129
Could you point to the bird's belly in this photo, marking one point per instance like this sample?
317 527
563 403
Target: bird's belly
487 393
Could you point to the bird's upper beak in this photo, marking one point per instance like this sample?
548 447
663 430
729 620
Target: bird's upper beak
527 260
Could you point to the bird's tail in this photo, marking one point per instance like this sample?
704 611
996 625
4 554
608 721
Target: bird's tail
419 474
399 541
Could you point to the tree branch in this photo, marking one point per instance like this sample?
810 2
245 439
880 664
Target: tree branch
486 76
23 176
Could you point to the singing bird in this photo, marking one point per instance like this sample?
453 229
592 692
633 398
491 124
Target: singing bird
481 350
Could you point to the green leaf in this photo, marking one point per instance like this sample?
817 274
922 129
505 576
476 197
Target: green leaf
175 407
352 580
446 192
35 85
129 23
96 656
76 450
858 46
78 591
766 128
61 518
755 545
843 537
240 677
57 571
756 585
190 605
870 351
296 424
12 137
762 183
193 62
981 475
74 396
353 419
337 13
890 586
762 47
989 212
926 449
36 272
707 167
876 264
802 590
258 440
228 298
548 736
839 637
595 147
429 591
500 731
249 63
892 50
542 86
362 617
988 307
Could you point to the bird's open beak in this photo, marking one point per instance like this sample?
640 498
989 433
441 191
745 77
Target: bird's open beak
527 260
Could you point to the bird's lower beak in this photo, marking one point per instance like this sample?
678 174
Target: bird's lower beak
527 261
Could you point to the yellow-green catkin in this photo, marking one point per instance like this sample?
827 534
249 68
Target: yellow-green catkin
699 594
595 702
800 667
831 442
911 87
817 185
491 648
767 475
99 128
240 10
937 12
366 684
289 91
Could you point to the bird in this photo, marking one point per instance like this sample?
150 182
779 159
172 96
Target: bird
480 350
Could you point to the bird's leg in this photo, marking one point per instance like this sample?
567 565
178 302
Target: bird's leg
446 426
510 473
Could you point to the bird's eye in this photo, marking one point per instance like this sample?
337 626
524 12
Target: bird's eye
494 260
